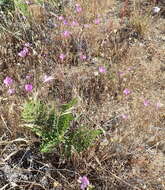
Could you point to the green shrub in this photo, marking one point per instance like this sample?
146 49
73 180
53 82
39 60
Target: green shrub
6 5
54 127
82 138
22 7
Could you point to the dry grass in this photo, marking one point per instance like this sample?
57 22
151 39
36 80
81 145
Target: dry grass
129 42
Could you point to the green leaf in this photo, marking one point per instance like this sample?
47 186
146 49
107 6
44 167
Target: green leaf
69 105
84 138
34 112
54 127
48 146
22 6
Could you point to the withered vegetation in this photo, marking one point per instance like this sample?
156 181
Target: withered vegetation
126 38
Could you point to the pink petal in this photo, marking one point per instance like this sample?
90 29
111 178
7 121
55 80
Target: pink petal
146 103
102 69
28 87
8 81
97 21
11 91
124 116
61 18
126 91
62 56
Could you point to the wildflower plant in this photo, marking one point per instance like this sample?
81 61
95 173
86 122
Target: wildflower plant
8 81
24 52
85 183
54 127
28 87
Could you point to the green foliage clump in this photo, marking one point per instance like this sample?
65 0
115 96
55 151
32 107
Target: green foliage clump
54 127
34 112
22 6
6 5
82 138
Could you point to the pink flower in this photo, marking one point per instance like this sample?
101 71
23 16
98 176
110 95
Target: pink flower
86 25
121 73
66 33
62 57
60 18
11 91
158 105
23 52
28 87
97 21
25 49
65 22
84 182
102 69
83 57
74 23
126 91
124 116
146 103
78 8
8 81
47 78
27 44
28 77
28 2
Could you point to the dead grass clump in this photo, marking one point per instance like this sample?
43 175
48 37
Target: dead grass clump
125 98
140 23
